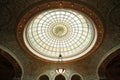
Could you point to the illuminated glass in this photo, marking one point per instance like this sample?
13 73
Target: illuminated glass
60 31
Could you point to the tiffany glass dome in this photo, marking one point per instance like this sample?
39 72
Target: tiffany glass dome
60 31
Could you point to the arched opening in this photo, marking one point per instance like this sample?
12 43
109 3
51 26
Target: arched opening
76 77
60 77
110 68
44 77
9 68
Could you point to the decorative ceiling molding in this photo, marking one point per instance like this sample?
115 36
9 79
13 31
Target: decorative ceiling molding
63 5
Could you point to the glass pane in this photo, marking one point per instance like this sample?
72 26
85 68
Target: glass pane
59 30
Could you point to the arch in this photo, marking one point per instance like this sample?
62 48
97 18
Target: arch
76 74
9 65
76 77
44 77
60 77
109 69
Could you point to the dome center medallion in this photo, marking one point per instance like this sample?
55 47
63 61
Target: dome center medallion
59 30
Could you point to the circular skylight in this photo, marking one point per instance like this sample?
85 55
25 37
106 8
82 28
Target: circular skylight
60 31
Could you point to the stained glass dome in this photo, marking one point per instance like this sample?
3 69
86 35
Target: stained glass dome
60 31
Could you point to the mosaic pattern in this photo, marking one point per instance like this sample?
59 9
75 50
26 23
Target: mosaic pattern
59 31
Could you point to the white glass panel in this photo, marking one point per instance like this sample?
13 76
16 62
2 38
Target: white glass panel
59 30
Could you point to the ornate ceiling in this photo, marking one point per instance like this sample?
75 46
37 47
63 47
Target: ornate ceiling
12 12
83 33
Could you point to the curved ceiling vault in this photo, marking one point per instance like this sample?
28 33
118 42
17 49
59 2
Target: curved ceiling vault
110 67
22 17
9 67
46 32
